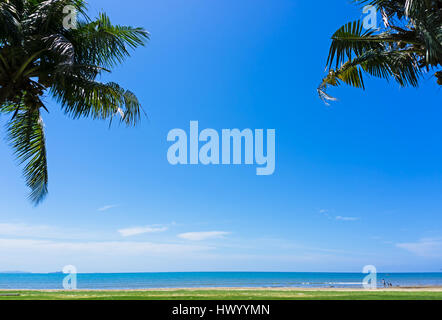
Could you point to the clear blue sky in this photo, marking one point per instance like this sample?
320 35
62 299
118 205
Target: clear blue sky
356 183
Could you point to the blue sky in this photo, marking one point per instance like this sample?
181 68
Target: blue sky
356 183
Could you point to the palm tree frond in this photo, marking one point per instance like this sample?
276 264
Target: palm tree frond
401 65
80 97
410 42
42 52
101 43
26 133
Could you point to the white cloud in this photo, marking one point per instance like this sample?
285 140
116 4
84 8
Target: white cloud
127 232
98 256
19 229
426 247
199 236
103 247
346 218
139 256
107 207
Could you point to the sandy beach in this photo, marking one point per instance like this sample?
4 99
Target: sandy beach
394 289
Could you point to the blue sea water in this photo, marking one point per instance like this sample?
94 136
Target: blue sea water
212 279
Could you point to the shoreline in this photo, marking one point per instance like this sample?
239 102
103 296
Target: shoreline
304 289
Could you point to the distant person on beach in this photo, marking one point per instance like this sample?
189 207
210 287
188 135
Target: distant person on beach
384 283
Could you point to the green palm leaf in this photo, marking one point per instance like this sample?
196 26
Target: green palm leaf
410 42
39 55
26 133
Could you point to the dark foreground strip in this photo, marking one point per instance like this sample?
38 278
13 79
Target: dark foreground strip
235 310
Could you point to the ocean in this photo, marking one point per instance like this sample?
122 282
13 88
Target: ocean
212 279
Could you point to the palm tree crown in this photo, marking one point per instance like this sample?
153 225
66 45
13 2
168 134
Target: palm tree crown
408 45
39 55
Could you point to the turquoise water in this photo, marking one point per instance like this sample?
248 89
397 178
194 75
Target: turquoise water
212 279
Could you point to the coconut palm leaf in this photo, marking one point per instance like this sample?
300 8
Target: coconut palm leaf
401 65
40 55
409 43
26 133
